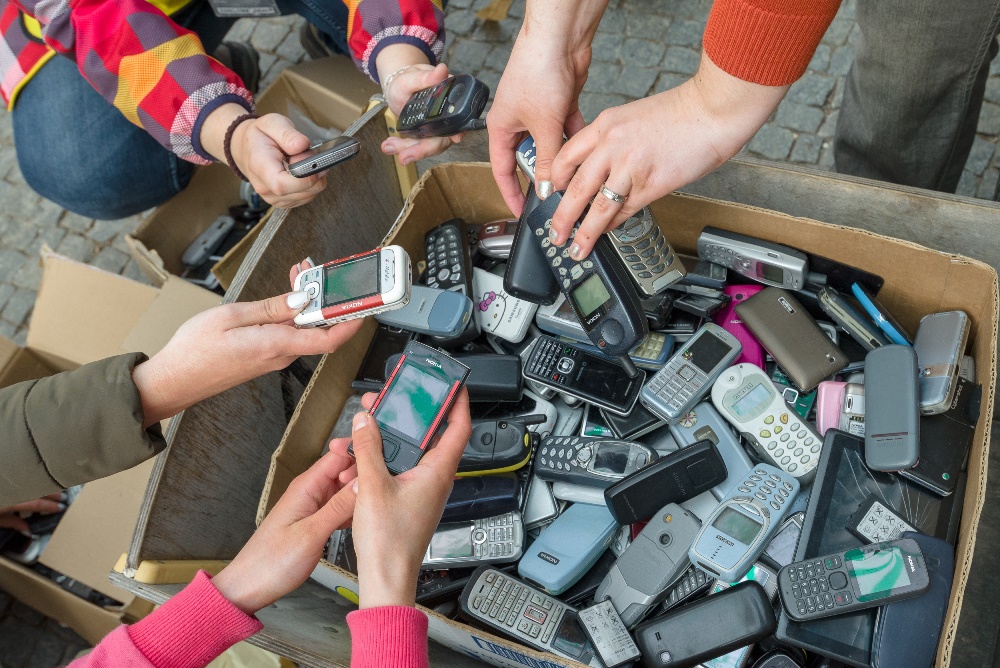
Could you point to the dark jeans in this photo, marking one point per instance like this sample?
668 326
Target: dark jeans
913 96
80 152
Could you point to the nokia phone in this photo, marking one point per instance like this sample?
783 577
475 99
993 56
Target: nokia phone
444 109
763 261
329 153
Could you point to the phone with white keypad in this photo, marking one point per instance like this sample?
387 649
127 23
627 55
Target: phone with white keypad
749 400
491 540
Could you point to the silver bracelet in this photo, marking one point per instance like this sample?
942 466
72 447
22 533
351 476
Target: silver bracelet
388 79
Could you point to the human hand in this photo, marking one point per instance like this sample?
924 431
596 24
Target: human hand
416 78
260 149
10 517
539 91
289 543
395 516
648 148
228 345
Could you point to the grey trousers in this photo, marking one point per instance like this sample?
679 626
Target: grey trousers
913 95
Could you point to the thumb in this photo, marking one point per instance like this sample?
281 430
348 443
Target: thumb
274 310
367 444
435 76
547 145
280 129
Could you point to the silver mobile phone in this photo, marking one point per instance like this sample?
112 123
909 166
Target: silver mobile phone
649 257
490 540
329 153
940 345
858 326
763 261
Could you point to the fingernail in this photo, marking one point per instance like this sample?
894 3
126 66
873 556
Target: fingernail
297 300
574 251
405 161
390 150
309 261
554 235
544 189
62 507
354 485
360 420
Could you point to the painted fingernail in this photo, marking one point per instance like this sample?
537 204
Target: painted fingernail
360 420
354 485
62 506
544 189
309 261
297 300
574 251
554 235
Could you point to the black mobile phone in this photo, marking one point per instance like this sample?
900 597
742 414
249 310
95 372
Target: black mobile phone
478 497
449 264
330 153
445 109
700 306
491 378
637 423
386 342
594 378
497 446
599 287
527 275
435 586
411 408
658 308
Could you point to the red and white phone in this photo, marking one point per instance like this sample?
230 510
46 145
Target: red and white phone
354 287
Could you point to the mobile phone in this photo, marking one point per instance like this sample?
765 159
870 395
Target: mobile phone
693 583
482 497
650 354
735 535
642 575
446 249
608 635
202 276
855 324
752 352
702 423
749 400
781 550
329 153
707 274
354 287
940 345
523 411
387 342
496 238
497 312
778 658
444 109
875 522
657 309
540 506
412 405
568 547
496 446
572 493
491 540
674 478
436 586
892 408
738 616
792 337
889 325
651 261
829 404
208 242
860 578
634 425
593 378
763 261
852 413
766 578
517 610
523 350
593 462
701 306
492 377
432 312
690 372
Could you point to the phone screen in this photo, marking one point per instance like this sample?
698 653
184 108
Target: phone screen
599 377
571 639
611 458
771 273
877 573
735 524
355 279
451 541
412 403
706 351
589 296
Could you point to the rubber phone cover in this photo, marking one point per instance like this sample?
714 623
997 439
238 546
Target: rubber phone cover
829 404
729 320
907 632
705 629
892 408
528 275
940 344
789 333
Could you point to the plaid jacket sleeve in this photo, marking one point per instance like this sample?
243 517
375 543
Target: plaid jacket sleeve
153 71
374 24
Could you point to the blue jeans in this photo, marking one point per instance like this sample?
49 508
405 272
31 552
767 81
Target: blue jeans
80 152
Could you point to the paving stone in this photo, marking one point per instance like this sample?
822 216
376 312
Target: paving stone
681 60
15 311
826 160
46 213
291 48
111 259
48 652
838 31
17 233
772 142
76 247
800 117
241 30
841 60
820 60
491 78
48 236
988 184
669 80
592 104
601 77
497 31
685 33
829 126
812 89
806 149
104 231
499 55
838 94
10 262
76 222
854 37
992 93
461 21
688 8
989 119
268 33
8 331
21 336
649 26
458 4
612 21
6 290
265 63
634 82
967 184
467 56
133 272
979 156
606 47
642 52
28 275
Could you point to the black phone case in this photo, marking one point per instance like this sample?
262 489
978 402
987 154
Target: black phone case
491 377
907 632
479 497
715 625
528 275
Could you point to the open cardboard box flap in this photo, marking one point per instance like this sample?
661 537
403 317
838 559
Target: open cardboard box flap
84 314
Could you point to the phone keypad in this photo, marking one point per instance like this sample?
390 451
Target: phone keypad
789 443
512 604
561 452
493 537
694 580
552 361
645 250
651 346
568 271
814 589
678 384
418 105
767 488
445 259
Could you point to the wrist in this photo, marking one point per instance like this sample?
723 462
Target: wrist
382 586
213 130
566 26
158 402
395 57
238 589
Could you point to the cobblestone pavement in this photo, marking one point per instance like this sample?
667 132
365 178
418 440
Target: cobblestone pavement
642 47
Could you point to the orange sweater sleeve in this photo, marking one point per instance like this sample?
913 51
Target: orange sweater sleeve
768 42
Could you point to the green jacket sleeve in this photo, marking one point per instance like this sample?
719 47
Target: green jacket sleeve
72 428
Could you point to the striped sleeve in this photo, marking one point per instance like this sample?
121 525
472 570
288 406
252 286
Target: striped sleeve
374 24
153 71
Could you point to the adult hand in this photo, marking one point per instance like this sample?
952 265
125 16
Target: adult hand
289 543
260 148
395 516
228 345
539 91
648 148
417 77
10 517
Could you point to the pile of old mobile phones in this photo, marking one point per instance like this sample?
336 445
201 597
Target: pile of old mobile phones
444 109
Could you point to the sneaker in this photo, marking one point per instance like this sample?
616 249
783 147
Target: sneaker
241 58
313 42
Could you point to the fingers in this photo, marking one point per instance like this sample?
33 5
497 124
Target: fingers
411 150
333 514
574 124
579 193
368 400
315 341
548 141
279 128
298 269
46 505
13 522
601 216
273 310
372 472
502 146
446 454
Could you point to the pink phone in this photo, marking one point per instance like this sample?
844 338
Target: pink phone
829 404
727 319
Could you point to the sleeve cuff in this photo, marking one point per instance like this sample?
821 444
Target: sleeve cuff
424 39
244 100
193 627
391 636
767 42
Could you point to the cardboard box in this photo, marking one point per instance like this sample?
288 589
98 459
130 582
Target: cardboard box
83 314
331 92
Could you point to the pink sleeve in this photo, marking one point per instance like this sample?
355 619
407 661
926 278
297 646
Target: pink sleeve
188 631
389 637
